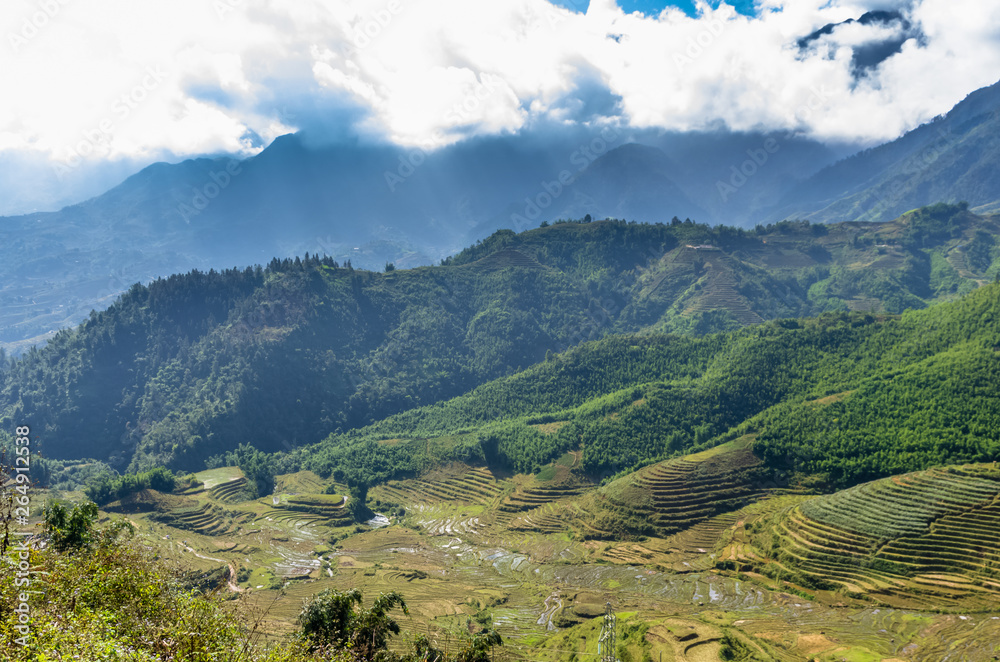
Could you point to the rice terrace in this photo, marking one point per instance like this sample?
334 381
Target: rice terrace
896 569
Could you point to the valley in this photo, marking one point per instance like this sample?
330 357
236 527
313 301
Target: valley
780 571
533 331
542 426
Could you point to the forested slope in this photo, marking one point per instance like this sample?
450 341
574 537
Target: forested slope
278 357
833 400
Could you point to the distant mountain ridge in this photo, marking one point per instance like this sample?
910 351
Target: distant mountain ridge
954 158
369 204
378 204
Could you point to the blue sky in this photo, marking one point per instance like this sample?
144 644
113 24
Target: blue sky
654 7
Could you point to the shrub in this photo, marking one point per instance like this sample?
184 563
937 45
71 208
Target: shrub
70 530
107 598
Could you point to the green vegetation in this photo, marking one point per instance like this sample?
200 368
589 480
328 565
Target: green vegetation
70 529
835 400
357 504
332 620
735 649
194 366
922 539
107 598
257 467
585 455
107 489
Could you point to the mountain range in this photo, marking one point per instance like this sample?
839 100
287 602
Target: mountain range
372 204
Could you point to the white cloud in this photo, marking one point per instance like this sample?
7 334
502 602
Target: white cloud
237 73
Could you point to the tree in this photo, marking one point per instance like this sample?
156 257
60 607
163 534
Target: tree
358 503
327 619
372 627
424 651
331 619
7 503
70 530
480 646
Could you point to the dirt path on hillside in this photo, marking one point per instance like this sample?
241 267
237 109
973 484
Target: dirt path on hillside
230 579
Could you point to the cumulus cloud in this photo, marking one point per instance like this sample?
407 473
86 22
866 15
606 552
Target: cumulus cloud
97 81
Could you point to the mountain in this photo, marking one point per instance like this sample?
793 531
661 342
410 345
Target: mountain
198 364
367 204
372 204
869 55
684 478
632 181
954 158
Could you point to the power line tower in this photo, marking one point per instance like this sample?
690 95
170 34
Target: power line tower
606 644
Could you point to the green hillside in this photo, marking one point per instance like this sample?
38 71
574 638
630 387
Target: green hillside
278 358
830 401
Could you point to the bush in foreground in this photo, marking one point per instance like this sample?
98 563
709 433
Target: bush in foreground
82 592
95 594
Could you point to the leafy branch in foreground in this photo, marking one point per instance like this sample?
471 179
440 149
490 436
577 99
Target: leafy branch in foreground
338 621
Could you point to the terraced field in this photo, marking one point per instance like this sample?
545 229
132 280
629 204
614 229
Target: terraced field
229 492
551 518
718 292
505 258
546 508
675 495
863 574
213 477
926 540
205 518
906 504
326 506
472 486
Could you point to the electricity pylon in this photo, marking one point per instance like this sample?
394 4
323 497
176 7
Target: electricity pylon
606 644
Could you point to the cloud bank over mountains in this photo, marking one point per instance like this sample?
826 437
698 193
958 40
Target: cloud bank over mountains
98 82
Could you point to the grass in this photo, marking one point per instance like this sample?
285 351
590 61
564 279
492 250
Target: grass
213 477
